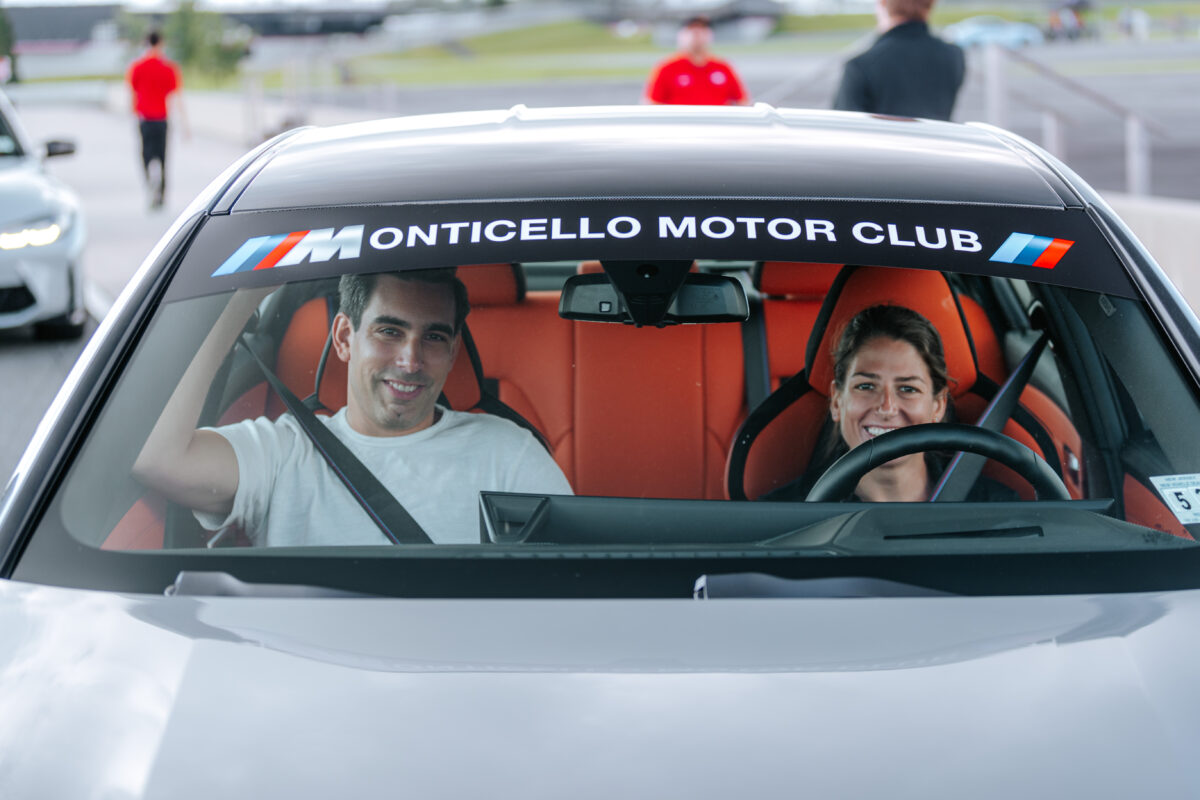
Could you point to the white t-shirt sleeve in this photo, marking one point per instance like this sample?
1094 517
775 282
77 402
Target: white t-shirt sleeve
534 471
260 446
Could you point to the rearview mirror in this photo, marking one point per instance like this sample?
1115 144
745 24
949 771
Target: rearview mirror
700 298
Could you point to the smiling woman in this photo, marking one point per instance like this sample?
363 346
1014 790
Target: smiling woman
889 373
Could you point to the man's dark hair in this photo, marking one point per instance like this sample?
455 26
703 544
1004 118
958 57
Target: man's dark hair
354 291
153 38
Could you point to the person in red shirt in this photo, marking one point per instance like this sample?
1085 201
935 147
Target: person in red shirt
153 79
693 76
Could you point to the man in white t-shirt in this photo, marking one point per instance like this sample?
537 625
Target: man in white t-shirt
399 334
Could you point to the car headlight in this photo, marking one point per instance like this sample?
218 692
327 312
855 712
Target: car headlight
36 232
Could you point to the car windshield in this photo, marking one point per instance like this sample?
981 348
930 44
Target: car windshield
961 406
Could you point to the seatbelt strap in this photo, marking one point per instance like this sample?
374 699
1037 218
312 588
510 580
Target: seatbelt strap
964 468
754 350
313 401
381 506
489 400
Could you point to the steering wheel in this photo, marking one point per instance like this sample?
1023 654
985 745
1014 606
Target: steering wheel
844 474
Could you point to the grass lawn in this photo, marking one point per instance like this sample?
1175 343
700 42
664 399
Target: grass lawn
578 49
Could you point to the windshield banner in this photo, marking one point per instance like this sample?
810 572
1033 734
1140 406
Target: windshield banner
1060 246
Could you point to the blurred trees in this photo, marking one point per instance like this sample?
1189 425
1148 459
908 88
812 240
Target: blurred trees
203 41
8 38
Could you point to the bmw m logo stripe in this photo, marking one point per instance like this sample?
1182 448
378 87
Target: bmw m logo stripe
288 249
257 252
1032 251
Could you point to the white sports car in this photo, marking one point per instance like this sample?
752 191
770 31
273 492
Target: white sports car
781 453
42 235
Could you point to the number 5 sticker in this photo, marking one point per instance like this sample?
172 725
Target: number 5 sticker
1181 494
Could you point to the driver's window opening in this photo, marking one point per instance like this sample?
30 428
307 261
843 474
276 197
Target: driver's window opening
767 406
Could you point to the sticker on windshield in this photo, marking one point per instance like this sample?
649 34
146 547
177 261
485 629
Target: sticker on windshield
1032 251
285 250
1063 247
1182 495
291 249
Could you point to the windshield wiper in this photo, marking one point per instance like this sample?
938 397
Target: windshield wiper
189 583
760 584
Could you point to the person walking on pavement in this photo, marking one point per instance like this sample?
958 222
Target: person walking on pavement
693 76
153 80
908 71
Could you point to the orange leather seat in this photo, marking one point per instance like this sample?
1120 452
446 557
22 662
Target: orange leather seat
528 352
656 408
792 294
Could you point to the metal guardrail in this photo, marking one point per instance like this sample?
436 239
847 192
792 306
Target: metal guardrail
1138 129
777 94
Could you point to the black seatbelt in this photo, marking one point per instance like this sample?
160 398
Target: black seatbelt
489 401
755 364
313 401
381 506
964 468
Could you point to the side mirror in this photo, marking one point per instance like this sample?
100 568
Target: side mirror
56 147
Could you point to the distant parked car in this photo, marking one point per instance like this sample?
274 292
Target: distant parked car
41 237
977 31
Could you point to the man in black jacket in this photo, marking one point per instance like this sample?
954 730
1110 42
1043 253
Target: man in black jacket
908 71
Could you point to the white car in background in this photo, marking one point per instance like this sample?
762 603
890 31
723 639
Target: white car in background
982 30
42 234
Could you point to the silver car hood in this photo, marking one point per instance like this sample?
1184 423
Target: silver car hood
117 696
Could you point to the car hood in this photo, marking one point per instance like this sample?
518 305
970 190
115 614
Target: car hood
105 695
26 191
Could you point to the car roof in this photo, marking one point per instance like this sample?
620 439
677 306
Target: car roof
647 152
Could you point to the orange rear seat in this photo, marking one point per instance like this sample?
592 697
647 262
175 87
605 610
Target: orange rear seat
528 353
656 408
792 294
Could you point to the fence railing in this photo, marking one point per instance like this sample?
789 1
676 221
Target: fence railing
998 94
